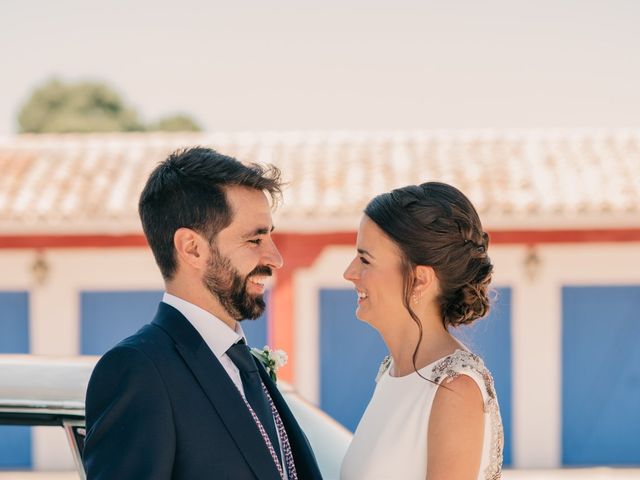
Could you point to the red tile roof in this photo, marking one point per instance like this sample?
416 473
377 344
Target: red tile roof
572 179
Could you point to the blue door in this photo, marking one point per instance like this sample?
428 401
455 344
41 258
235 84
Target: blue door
15 441
350 354
601 375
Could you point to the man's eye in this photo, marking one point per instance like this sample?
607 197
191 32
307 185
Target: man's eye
256 241
364 260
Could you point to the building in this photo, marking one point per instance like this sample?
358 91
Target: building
562 210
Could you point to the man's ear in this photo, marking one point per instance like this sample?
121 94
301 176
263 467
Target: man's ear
192 249
425 280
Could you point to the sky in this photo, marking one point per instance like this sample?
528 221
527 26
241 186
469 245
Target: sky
251 65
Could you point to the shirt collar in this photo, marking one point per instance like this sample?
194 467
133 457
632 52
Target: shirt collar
216 334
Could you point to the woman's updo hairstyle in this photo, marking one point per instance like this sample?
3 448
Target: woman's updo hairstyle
435 224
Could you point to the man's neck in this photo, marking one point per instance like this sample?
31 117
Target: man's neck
203 299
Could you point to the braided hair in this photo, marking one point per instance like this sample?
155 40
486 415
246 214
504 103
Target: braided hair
435 224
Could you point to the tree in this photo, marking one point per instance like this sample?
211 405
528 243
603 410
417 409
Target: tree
175 123
83 107
62 107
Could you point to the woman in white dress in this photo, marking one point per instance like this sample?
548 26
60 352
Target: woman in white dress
421 268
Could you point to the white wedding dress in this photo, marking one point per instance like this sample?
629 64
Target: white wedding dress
391 439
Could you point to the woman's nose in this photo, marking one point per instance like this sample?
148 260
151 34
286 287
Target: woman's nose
350 273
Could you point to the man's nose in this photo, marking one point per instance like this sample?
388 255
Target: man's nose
273 257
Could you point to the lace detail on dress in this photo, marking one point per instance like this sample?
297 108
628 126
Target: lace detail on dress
384 366
461 362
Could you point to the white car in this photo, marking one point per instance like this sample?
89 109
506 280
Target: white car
50 391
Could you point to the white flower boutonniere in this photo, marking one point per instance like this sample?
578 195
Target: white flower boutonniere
271 359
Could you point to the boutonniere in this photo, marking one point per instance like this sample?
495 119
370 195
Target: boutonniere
271 359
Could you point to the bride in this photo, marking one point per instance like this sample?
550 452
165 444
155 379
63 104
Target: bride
421 268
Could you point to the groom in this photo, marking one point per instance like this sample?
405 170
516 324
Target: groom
184 398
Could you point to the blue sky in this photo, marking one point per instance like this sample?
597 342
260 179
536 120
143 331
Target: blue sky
335 65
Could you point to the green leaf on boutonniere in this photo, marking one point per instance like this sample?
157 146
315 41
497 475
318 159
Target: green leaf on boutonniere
272 360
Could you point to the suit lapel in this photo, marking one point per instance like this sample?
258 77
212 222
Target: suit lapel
305 460
219 388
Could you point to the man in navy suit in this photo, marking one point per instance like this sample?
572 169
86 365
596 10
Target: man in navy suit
183 398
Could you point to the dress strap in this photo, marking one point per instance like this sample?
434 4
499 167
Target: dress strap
463 362
384 366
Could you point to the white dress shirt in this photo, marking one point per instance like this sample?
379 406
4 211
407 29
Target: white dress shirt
218 336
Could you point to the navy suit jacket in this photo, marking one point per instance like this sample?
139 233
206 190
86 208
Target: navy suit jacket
161 406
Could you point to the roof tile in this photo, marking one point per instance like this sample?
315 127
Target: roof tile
91 183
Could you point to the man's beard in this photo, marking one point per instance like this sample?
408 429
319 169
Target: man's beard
230 288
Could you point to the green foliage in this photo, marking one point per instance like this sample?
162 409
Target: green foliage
60 107
76 107
175 123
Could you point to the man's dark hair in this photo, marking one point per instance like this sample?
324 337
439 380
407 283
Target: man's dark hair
188 190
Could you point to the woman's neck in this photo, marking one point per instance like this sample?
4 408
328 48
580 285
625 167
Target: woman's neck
402 339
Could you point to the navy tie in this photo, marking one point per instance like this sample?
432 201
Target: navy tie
253 391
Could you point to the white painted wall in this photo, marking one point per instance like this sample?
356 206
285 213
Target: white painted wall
536 329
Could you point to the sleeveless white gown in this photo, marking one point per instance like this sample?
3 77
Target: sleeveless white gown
390 442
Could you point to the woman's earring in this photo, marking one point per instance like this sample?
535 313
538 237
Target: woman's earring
414 297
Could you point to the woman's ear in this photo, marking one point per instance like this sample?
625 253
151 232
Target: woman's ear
192 249
425 280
